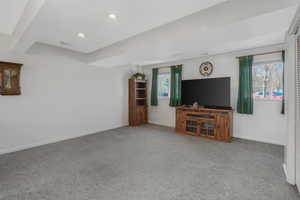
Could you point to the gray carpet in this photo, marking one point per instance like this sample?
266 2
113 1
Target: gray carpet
145 163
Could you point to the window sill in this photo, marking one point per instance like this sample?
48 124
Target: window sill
267 100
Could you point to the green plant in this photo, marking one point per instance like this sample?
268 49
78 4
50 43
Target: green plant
139 75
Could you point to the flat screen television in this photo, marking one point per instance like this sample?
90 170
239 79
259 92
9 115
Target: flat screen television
211 92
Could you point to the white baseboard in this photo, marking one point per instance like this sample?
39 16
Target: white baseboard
285 170
50 141
160 124
284 166
256 140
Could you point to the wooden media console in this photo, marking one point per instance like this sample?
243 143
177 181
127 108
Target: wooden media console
210 123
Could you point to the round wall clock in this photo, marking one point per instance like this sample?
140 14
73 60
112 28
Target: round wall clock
206 68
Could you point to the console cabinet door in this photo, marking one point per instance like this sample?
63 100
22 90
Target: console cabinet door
141 116
223 127
207 128
180 121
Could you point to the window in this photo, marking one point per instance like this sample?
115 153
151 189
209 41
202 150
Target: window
164 85
268 80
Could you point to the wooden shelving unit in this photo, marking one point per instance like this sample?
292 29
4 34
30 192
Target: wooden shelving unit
138 109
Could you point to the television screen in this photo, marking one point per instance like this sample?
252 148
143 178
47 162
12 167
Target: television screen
212 92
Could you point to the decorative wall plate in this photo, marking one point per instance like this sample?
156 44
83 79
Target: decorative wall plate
206 68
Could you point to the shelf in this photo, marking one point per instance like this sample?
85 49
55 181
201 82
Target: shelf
140 81
141 85
191 129
141 88
140 94
200 119
192 126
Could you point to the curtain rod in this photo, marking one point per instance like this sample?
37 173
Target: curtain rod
165 67
266 53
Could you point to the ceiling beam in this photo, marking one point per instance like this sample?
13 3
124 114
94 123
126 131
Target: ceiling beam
31 10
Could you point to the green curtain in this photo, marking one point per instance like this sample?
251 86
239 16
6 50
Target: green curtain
283 98
154 95
245 96
176 77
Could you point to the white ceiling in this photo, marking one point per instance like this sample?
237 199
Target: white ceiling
61 20
10 14
151 31
223 28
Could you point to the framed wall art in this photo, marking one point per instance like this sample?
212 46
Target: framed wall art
10 78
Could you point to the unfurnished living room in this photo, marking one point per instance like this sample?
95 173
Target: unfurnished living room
149 100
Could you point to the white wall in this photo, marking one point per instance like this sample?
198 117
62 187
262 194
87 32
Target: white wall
290 148
61 99
297 114
265 125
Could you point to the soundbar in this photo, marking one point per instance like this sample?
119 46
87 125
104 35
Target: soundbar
219 107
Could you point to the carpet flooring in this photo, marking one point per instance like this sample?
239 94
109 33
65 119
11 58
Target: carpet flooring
145 163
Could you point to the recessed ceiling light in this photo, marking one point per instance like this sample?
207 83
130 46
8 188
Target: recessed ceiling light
81 35
112 16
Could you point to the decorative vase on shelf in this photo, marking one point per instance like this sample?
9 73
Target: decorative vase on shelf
195 105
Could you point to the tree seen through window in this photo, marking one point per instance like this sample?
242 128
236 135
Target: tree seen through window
268 81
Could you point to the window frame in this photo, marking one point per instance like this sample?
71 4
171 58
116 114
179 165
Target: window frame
158 84
265 62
